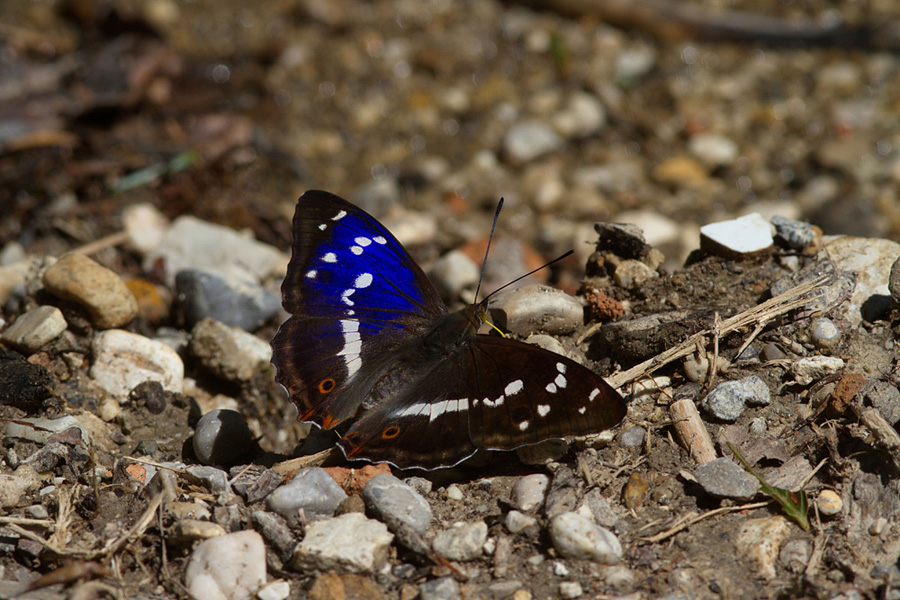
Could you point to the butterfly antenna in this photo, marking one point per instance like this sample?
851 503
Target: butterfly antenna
521 277
488 249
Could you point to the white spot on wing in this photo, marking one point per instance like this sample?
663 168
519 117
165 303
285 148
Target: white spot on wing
560 380
363 281
339 216
362 241
345 297
329 257
582 410
513 388
593 395
323 227
523 425
494 403
352 346
379 240
311 274
551 387
560 367
543 409
356 250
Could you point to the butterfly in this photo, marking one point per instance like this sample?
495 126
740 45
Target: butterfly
370 349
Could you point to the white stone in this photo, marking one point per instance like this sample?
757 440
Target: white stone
350 542
277 590
528 140
462 541
870 260
529 492
814 368
713 150
574 536
229 567
760 540
35 328
745 235
123 359
145 226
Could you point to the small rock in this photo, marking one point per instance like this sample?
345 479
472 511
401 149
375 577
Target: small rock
582 116
529 492
894 282
411 228
343 586
444 588
635 491
350 542
547 342
25 385
543 453
254 482
632 274
14 487
618 576
187 531
517 522
188 510
35 328
311 494
228 567
41 429
829 503
276 590
726 402
743 237
633 63
419 484
773 351
397 504
871 260
222 437
276 532
122 360
213 479
825 334
796 235
576 537
145 226
537 308
680 171
795 555
760 540
462 541
228 352
815 368
570 589
453 492
713 150
194 244
632 437
886 398
529 140
454 273
101 292
723 478
209 294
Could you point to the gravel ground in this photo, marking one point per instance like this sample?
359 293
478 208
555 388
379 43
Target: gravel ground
146 442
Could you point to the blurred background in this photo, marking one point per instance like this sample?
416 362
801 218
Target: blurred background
425 112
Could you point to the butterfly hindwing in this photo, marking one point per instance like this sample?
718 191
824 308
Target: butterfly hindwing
354 294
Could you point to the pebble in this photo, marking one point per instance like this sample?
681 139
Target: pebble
191 243
420 484
445 588
40 429
886 398
100 291
14 487
825 334
462 541
570 589
576 537
633 437
893 282
122 360
228 352
213 479
222 437
814 368
829 503
746 236
633 63
343 586
547 342
713 150
240 303
727 400
254 482
529 140
310 495
616 176
632 274
453 492
871 261
350 542
412 228
229 567
680 171
537 309
795 555
723 478
635 491
13 277
796 235
529 492
517 522
145 226
582 116
276 532
35 328
276 590
453 273
397 504
187 531
761 539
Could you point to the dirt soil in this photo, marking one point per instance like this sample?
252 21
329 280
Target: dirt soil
228 112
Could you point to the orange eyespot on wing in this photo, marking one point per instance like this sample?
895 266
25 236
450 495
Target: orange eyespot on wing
326 385
391 432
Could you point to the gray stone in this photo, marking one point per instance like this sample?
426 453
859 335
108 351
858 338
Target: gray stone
529 140
240 303
795 555
228 567
194 244
795 235
537 309
311 494
122 360
222 437
276 532
100 291
444 588
453 273
397 504
825 334
229 352
886 398
420 484
583 115
726 402
632 437
517 522
213 479
713 150
570 589
894 282
35 328
576 537
462 541
350 542
254 482
529 492
723 478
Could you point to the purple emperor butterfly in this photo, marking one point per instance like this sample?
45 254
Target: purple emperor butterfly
370 348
